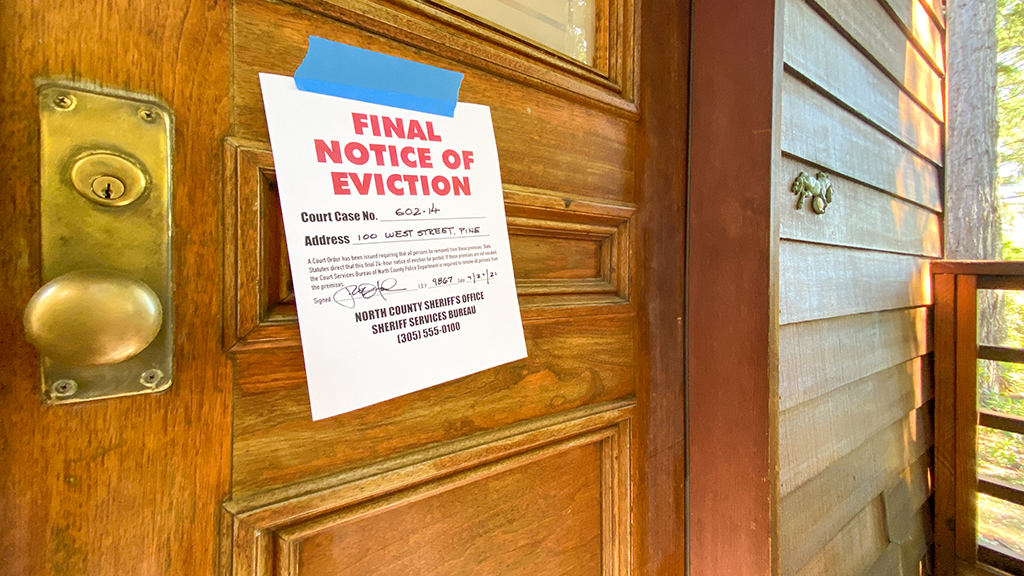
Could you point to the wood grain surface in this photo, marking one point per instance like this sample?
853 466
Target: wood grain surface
982 268
272 422
862 102
818 52
859 217
133 485
816 433
732 293
915 549
888 563
823 282
816 130
855 549
917 22
567 258
880 339
541 495
566 249
904 499
544 140
129 485
542 518
662 160
935 9
870 26
594 199
945 423
860 540
966 418
815 512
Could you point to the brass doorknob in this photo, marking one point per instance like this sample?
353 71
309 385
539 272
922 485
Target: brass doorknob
92 318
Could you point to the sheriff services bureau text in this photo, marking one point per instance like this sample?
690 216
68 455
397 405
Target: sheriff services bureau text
433 311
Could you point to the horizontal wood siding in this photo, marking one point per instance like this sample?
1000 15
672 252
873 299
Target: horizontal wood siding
819 281
909 557
815 434
862 103
818 357
856 547
817 130
814 49
917 23
874 32
860 218
813 514
888 564
904 499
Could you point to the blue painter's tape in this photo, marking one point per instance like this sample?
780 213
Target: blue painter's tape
340 70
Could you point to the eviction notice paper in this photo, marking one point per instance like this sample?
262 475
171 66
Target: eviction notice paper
397 241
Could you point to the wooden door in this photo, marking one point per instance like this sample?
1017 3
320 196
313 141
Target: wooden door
568 462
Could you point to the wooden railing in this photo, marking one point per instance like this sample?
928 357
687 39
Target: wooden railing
955 286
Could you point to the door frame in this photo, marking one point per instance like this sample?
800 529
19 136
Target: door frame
732 287
707 452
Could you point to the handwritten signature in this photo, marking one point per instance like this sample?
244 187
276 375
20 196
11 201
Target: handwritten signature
346 295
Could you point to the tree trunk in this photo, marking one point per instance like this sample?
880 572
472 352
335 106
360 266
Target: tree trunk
973 230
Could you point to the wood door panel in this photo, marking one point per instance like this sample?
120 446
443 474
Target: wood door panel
567 251
544 140
556 258
566 143
595 196
571 363
542 518
546 496
568 168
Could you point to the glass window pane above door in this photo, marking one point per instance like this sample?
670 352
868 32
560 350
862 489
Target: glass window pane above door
563 25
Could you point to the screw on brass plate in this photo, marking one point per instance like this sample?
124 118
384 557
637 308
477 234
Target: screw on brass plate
151 378
108 187
64 102
63 388
147 115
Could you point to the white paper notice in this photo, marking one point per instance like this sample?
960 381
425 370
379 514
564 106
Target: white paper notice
397 241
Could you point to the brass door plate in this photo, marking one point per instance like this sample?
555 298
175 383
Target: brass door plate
105 162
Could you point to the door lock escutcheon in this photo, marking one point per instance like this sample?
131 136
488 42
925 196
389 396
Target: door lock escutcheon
103 320
108 179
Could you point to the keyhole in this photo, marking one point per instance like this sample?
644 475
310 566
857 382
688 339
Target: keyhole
108 187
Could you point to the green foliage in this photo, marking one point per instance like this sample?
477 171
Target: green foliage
1011 222
1010 88
1001 454
1000 522
1011 219
1001 403
1001 385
